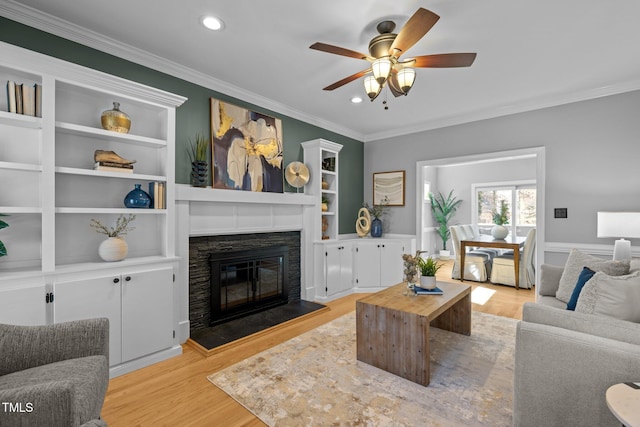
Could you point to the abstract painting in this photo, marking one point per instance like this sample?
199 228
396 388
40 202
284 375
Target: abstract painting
246 149
389 185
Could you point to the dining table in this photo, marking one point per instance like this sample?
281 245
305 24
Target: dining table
485 241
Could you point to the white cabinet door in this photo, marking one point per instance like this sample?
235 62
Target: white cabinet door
338 268
23 306
367 264
90 298
391 264
147 312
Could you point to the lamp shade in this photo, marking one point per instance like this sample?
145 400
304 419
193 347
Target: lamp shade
619 224
406 77
372 87
381 68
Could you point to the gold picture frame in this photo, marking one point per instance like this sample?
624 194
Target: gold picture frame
390 185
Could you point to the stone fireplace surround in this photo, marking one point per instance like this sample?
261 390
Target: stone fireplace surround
200 247
227 214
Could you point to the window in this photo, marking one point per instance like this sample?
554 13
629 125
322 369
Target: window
519 200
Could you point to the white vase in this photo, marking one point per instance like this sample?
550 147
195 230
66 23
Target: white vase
427 282
445 254
113 249
499 232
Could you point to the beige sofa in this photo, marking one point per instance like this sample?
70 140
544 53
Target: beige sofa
566 360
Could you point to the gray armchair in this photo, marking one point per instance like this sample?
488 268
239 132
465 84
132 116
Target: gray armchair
54 375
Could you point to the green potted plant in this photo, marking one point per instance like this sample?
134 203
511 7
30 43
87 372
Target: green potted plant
500 219
428 268
3 249
443 208
198 155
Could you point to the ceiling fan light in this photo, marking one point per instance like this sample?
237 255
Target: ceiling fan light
381 68
372 87
406 78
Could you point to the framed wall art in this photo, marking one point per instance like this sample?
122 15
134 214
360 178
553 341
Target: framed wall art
246 149
390 185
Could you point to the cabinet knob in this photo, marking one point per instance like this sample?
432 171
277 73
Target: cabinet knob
127 279
116 280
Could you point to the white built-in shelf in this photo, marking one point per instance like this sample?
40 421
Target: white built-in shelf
21 120
328 213
326 172
127 262
91 172
21 166
117 211
74 129
329 192
20 209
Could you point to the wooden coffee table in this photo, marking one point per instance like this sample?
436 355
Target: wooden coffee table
392 326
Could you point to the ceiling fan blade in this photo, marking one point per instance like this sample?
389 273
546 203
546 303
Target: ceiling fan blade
347 79
415 28
336 50
445 60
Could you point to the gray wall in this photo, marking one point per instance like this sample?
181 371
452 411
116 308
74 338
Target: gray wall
591 149
461 177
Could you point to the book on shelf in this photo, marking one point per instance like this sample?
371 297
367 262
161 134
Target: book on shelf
38 99
434 291
112 167
28 100
11 96
19 98
115 165
24 99
157 193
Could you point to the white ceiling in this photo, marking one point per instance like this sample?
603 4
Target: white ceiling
531 54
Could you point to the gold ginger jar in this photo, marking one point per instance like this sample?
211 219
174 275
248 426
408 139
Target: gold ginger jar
116 120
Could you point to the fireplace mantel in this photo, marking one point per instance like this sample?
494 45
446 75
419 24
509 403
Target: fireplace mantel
208 194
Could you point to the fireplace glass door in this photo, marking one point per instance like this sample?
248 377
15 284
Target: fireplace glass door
245 282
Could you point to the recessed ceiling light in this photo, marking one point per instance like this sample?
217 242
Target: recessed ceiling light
356 100
212 23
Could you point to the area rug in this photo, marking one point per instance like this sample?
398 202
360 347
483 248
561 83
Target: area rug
315 380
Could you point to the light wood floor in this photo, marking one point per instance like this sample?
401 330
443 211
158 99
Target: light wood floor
176 392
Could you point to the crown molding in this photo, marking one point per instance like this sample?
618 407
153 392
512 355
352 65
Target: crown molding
42 21
500 111
59 27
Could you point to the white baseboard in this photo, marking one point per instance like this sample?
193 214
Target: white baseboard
133 365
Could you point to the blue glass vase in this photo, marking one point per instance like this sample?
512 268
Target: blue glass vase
137 198
376 227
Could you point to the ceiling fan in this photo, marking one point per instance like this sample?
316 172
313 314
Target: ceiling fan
385 50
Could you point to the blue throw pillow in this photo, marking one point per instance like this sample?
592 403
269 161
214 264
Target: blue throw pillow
583 278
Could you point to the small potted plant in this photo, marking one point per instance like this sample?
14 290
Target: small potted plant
500 219
114 248
428 268
443 210
199 165
3 249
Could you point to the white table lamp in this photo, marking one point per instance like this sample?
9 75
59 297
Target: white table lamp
619 225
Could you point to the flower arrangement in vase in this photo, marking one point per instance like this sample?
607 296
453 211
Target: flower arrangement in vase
114 248
377 211
500 219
